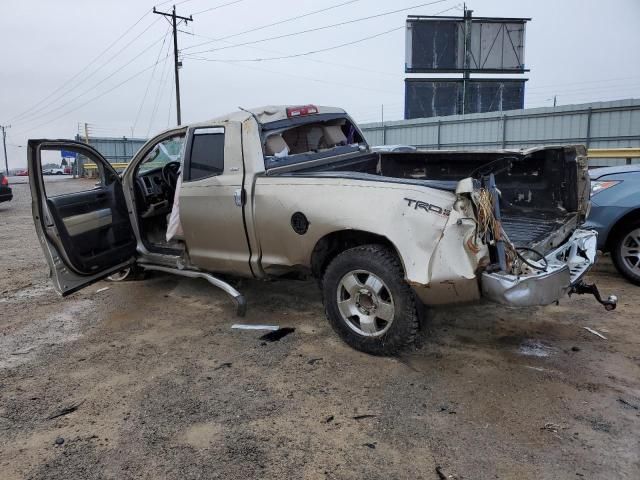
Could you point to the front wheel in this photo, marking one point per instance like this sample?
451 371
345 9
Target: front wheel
367 301
625 251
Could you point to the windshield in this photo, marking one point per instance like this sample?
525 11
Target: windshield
169 150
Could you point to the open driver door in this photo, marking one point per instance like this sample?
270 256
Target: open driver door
82 224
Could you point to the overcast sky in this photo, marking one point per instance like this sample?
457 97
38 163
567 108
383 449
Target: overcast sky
54 62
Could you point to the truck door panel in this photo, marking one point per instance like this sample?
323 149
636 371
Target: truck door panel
211 199
84 231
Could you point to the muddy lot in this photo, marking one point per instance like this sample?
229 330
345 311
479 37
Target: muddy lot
165 389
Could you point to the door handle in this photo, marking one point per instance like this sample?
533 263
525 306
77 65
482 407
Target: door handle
238 197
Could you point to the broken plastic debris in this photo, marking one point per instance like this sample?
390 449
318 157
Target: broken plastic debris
102 289
276 335
595 332
244 326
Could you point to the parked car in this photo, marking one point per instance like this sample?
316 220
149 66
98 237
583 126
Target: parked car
6 194
22 173
615 215
278 190
53 171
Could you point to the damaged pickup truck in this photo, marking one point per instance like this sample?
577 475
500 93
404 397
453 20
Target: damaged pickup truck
272 191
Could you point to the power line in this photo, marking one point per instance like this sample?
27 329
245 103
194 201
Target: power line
316 29
585 82
301 55
169 109
217 7
93 87
146 92
569 91
161 84
99 56
280 22
36 113
360 40
311 79
173 1
341 65
93 98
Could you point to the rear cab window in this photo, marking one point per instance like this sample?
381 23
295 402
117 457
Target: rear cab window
205 153
301 139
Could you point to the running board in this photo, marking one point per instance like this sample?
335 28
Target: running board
241 302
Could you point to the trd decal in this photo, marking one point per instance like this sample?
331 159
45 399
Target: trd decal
428 207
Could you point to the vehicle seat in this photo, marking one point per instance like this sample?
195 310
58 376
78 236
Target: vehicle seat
276 146
332 135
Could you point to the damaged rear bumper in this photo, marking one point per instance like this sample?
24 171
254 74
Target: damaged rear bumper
566 266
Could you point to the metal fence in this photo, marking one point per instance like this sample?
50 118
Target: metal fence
115 150
599 125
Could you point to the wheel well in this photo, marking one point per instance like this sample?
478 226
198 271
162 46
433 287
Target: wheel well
631 216
331 245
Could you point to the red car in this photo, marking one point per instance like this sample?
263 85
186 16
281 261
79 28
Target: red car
5 190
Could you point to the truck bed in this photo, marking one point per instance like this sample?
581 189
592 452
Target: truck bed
541 189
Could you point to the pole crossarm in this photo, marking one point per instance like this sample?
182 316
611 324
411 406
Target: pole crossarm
167 14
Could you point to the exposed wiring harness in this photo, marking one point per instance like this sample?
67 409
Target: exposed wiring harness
540 255
490 230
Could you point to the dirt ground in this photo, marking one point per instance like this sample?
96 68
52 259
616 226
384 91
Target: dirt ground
164 388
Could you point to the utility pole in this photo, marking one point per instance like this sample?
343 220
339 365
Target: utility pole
384 130
176 62
4 145
555 100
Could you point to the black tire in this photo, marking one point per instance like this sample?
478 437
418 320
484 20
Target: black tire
378 261
621 261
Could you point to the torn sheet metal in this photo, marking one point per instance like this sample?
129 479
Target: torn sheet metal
565 266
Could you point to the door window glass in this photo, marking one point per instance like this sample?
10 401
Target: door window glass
169 150
67 171
207 153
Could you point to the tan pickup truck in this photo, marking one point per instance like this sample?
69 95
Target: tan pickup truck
278 190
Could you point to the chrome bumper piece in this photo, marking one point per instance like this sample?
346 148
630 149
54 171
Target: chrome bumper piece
566 266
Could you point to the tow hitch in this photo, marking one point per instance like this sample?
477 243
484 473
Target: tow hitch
581 288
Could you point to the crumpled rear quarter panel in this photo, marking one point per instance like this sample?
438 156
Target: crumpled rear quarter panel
431 245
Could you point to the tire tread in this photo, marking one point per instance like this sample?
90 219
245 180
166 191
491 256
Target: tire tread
396 341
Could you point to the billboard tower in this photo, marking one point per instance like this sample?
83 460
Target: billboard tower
463 45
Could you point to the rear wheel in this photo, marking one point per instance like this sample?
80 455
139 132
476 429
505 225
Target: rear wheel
367 301
625 251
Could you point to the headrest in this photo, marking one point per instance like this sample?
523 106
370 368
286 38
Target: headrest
276 145
333 135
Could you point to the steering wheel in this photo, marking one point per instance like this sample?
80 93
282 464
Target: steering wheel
170 174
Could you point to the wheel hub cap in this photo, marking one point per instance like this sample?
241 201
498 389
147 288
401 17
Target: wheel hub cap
365 303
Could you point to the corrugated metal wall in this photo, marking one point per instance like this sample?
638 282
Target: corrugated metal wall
614 124
115 150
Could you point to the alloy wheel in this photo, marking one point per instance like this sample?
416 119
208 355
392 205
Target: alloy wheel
365 303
